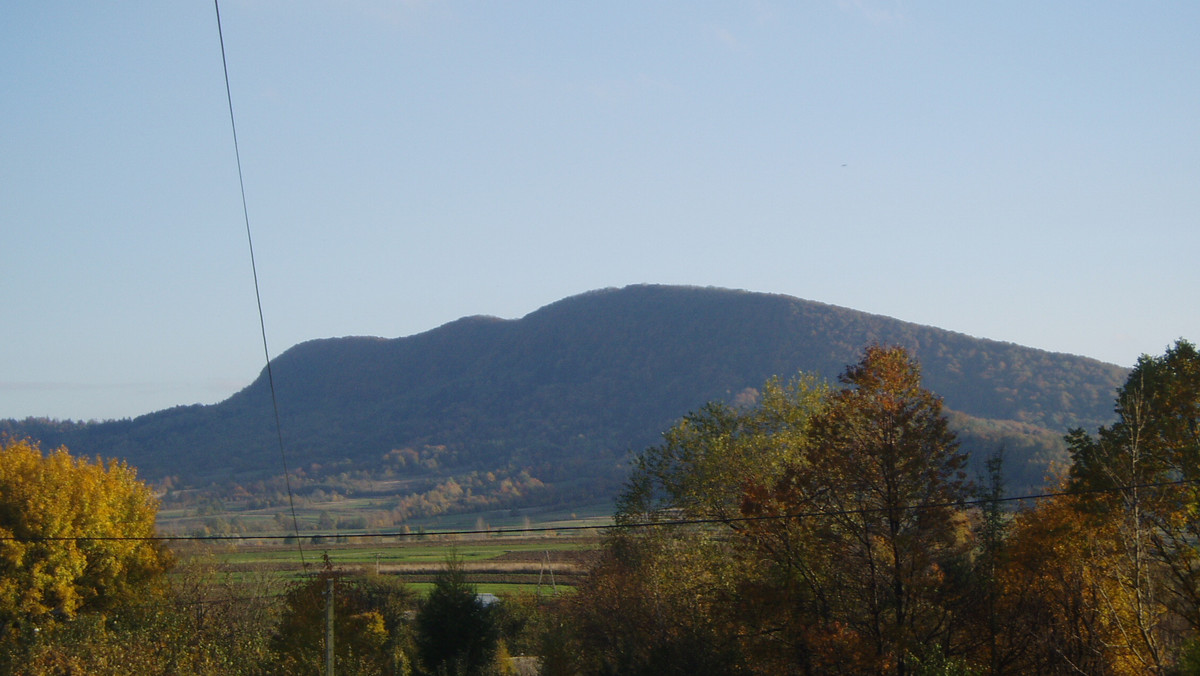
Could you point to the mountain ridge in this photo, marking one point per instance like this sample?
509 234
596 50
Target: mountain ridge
570 388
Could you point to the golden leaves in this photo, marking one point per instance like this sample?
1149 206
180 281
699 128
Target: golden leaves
65 524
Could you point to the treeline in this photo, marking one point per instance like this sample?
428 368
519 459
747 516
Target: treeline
835 532
381 502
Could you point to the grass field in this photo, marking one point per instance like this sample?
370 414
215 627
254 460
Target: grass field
495 564
495 548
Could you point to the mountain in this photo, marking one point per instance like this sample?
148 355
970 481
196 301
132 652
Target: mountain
562 395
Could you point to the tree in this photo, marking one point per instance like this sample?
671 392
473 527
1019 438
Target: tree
871 559
368 624
456 634
74 534
1103 579
1144 471
1067 598
667 600
706 460
992 529
1158 418
662 602
1139 480
205 623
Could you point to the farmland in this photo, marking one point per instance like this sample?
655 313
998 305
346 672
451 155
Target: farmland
546 563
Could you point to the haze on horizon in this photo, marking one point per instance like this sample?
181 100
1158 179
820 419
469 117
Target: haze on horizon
1024 173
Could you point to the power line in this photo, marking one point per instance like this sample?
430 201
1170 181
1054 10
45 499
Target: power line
262 324
664 523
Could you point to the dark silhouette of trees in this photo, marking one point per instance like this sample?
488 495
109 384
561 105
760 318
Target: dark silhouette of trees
456 634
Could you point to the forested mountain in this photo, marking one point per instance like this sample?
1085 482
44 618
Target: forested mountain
563 394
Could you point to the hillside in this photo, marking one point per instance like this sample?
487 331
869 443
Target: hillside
563 394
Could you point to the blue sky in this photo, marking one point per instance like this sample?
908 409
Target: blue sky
1026 172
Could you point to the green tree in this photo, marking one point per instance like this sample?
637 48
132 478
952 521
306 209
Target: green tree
456 634
1156 436
705 460
73 535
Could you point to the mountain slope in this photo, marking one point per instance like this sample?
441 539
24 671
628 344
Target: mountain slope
569 389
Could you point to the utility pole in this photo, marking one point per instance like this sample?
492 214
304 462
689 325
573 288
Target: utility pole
329 626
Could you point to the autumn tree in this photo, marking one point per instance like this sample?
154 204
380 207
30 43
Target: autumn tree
662 602
850 501
865 556
666 600
1100 577
74 535
706 460
865 531
1065 606
205 622
1138 480
368 627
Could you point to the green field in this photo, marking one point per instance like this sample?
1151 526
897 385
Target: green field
503 551
499 565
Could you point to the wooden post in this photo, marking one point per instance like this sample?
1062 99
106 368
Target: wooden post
329 626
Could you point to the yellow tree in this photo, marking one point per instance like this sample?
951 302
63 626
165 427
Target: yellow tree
73 534
1071 599
1142 475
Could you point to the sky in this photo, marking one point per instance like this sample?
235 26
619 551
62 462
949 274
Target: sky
1022 171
